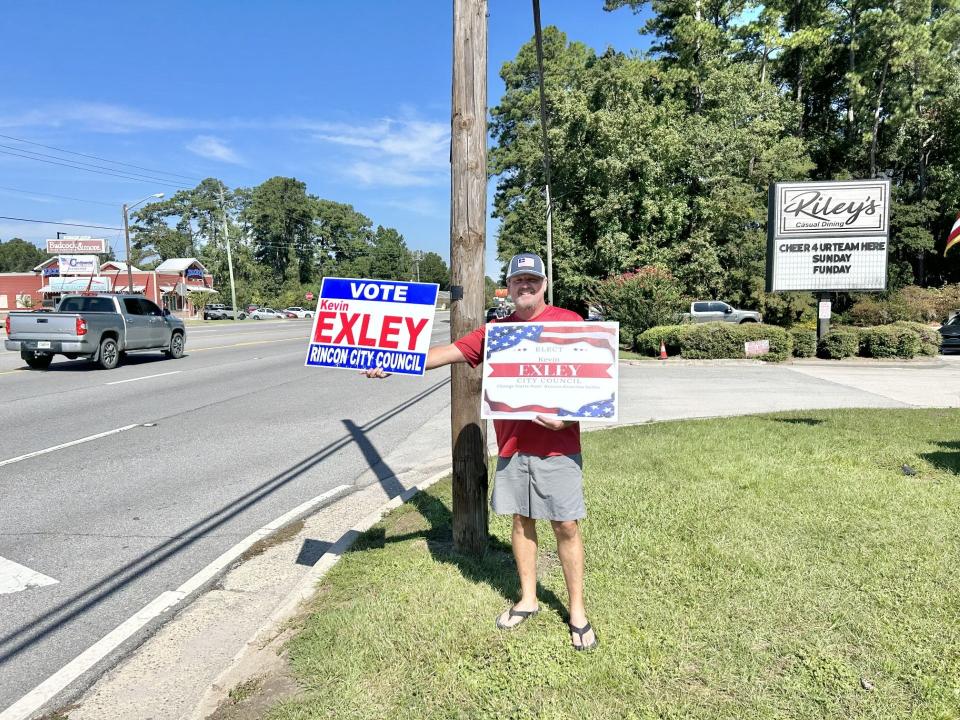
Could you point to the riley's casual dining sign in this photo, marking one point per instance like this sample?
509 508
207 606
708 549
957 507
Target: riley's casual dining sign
828 236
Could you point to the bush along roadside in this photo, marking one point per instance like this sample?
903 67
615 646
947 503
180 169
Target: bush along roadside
715 341
898 340
804 342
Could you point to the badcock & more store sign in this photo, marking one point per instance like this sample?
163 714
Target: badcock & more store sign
828 236
74 244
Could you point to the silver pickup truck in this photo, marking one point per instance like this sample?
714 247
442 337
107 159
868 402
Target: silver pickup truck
703 311
98 327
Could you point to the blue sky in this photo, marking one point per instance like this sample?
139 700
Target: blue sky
354 103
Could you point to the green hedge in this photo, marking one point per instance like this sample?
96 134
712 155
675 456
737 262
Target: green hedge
838 343
648 342
804 342
714 341
888 341
929 336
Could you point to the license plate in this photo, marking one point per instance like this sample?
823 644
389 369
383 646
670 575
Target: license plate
43 345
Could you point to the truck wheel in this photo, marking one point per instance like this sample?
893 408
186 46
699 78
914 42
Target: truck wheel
175 350
109 355
242 316
36 362
308 316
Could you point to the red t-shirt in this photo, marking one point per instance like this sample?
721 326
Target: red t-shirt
525 436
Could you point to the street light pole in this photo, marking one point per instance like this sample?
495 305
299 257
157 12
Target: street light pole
126 234
226 237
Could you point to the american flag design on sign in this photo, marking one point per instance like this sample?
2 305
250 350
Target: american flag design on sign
504 338
597 409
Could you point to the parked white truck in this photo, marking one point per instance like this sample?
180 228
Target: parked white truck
100 327
702 311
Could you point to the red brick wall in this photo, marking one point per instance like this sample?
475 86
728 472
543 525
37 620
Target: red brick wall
13 284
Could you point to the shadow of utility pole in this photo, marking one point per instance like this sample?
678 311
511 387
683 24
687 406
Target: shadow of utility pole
495 567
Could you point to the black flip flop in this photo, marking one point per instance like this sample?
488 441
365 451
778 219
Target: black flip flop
581 631
525 614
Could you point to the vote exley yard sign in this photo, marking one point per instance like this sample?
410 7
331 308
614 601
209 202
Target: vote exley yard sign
363 324
828 236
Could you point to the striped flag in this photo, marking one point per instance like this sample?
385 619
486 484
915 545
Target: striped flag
954 237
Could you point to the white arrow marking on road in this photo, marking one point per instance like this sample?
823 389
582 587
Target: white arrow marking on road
145 377
67 444
15 577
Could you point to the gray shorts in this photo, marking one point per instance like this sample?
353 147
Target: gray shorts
543 488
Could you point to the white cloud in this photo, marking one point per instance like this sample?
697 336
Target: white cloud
98 117
399 153
212 148
368 173
418 205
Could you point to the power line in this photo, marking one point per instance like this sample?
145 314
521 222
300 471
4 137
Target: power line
71 164
54 222
94 157
61 197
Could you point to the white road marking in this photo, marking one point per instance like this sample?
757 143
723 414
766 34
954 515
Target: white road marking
15 577
145 377
67 444
43 693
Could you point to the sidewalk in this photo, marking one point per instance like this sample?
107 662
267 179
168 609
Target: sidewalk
233 631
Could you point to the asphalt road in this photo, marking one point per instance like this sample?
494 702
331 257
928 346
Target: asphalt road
223 441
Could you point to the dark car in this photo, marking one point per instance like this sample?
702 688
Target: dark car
950 334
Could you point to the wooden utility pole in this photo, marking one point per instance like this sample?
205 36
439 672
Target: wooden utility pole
468 215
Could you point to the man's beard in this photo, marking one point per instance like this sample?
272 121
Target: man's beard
525 302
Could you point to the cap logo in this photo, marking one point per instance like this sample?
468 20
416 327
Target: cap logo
525 262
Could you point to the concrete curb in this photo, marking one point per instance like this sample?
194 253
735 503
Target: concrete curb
262 650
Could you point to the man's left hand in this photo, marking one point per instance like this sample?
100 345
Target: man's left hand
552 423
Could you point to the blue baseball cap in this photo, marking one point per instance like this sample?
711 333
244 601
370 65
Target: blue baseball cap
526 264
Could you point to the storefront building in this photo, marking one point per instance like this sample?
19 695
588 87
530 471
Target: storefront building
169 285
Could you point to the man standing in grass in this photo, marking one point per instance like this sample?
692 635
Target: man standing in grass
539 469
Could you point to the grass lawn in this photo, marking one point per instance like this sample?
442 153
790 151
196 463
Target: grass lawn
778 566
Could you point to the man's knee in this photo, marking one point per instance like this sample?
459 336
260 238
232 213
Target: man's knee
565 529
524 524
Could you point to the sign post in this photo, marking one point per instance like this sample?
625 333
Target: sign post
827 237
823 314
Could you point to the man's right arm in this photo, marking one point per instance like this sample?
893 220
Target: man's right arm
444 355
436 357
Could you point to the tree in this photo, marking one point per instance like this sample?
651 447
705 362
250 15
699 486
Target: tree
653 164
280 218
389 257
434 270
18 255
343 237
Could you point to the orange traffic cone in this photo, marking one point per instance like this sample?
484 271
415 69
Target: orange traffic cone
663 350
